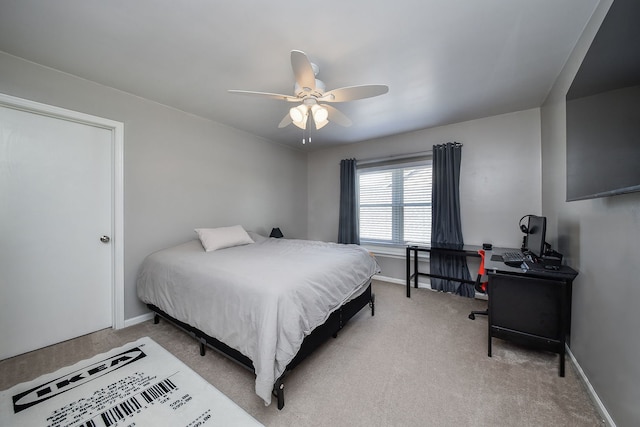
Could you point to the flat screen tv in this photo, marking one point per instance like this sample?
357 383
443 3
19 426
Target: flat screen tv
603 110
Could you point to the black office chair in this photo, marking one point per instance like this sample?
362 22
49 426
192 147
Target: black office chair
480 286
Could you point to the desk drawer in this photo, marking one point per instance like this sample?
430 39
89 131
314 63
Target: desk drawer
529 305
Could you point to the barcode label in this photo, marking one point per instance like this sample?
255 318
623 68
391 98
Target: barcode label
111 416
158 390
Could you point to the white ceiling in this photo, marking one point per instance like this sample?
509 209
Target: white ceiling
444 61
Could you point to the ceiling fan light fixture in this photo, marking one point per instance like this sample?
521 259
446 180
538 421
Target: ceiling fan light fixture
320 114
298 114
320 125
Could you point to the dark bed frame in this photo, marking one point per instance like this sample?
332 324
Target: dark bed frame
336 321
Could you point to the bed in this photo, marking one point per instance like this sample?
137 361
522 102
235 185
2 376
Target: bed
267 303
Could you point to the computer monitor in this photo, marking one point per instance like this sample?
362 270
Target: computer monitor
536 235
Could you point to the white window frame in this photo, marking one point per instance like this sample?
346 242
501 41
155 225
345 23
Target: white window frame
395 247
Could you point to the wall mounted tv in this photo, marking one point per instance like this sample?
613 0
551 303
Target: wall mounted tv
603 110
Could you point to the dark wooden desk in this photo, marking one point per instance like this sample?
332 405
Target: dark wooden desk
530 306
455 250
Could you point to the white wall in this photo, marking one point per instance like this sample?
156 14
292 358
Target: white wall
181 171
500 177
601 239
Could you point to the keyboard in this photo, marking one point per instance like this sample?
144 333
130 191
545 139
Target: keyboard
513 257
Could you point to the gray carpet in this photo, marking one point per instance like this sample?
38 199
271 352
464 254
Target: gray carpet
417 362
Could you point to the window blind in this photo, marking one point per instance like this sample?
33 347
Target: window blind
395 202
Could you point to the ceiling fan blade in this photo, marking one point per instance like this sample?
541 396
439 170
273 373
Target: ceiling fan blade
286 121
277 96
337 116
352 93
303 70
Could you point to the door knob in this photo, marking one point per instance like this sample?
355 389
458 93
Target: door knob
105 239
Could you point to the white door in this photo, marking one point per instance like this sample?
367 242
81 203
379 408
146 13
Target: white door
56 274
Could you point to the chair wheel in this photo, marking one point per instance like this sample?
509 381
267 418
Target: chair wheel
472 316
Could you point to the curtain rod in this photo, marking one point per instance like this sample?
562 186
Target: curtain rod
397 157
401 156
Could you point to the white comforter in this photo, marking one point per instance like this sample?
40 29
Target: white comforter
261 299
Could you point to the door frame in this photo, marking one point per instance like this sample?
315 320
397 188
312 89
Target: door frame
117 186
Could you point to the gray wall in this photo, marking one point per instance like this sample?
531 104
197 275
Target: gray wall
180 171
500 178
600 238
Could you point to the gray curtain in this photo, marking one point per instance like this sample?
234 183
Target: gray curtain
348 229
446 227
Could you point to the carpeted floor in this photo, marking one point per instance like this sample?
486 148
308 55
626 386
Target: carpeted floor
417 362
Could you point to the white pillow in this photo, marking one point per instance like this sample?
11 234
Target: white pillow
222 237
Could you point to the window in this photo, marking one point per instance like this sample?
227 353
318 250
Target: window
395 203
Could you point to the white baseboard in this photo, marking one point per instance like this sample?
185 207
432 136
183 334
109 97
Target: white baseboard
420 285
389 279
138 319
399 281
606 418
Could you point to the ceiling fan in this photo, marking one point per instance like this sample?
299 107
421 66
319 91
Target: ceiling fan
313 101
